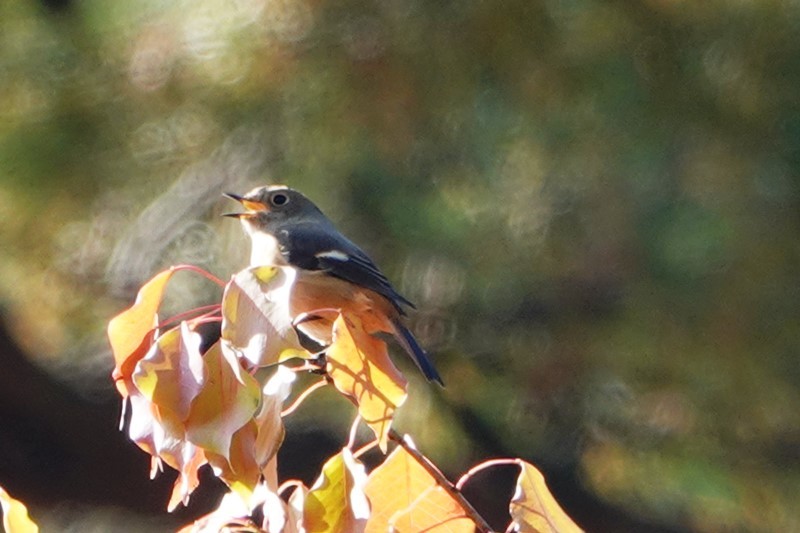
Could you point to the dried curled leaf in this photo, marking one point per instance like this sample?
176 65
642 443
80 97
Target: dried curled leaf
256 322
337 502
268 419
406 498
172 373
533 509
131 332
15 515
227 401
221 421
359 366
164 384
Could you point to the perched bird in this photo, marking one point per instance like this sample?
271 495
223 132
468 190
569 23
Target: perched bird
287 229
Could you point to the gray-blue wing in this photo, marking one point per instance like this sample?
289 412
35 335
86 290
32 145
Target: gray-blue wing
322 247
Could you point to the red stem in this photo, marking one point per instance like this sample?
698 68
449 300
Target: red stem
206 309
198 270
486 464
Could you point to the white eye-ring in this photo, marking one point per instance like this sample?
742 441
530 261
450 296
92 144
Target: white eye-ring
279 199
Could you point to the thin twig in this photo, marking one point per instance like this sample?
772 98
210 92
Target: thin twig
486 464
204 273
480 524
364 449
296 483
309 365
203 310
305 394
353 430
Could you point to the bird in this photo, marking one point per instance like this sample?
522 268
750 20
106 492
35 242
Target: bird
287 229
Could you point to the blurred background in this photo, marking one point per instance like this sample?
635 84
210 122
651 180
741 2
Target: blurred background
594 204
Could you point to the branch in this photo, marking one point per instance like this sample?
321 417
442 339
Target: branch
206 274
486 464
480 524
305 394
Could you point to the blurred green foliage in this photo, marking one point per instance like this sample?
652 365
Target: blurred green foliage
595 205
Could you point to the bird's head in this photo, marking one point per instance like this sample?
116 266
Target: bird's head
272 206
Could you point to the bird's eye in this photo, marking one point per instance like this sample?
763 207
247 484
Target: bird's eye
279 199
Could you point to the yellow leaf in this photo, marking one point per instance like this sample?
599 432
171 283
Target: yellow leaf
406 498
337 503
533 509
223 406
131 332
239 469
172 373
15 515
256 322
359 366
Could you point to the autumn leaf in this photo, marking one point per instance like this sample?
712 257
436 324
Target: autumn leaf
256 322
239 469
406 498
337 503
164 439
533 509
230 509
172 372
187 409
222 422
278 516
359 366
294 511
268 419
163 385
253 447
131 332
191 459
142 424
223 406
15 515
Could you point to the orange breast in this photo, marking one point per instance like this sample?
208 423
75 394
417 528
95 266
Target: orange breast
322 294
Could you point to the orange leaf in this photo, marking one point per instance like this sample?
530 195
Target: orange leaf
171 375
239 469
256 322
533 509
163 385
253 447
163 437
232 510
223 406
336 502
131 332
359 366
15 515
268 419
192 458
406 498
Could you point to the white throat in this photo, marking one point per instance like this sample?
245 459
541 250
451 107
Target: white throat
265 249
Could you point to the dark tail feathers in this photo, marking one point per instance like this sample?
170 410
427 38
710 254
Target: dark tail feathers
415 351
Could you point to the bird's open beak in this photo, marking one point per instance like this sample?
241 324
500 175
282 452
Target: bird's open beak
251 206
